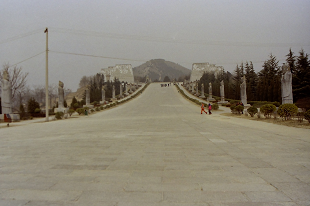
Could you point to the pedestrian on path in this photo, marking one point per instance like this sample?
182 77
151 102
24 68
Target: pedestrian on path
203 108
210 108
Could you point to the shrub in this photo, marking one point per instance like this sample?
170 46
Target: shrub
59 115
277 104
97 109
239 108
32 105
101 107
71 111
76 105
80 110
232 107
300 116
307 115
92 110
268 109
252 111
215 106
37 110
286 111
95 103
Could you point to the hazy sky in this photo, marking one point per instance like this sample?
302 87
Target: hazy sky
224 33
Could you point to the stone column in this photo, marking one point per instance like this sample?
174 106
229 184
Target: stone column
121 91
197 93
87 97
6 94
126 89
60 95
210 98
113 92
243 91
130 91
193 88
102 96
222 94
202 91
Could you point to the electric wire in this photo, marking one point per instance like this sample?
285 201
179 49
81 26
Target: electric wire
20 36
27 59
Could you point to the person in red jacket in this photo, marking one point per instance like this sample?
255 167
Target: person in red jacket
203 108
210 108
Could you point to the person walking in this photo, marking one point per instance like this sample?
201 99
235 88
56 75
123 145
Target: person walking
210 108
203 108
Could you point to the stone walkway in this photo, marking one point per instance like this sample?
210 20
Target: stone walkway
157 149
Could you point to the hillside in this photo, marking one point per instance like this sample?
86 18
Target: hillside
157 69
78 95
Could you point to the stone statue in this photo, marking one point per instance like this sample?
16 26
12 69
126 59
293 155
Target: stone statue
113 92
202 91
286 85
103 95
121 90
222 90
243 91
6 94
61 95
87 97
210 89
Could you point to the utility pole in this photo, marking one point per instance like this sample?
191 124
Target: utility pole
46 78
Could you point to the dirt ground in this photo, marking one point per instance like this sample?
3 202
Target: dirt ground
290 123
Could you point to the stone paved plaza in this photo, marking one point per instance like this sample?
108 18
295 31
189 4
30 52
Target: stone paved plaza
157 149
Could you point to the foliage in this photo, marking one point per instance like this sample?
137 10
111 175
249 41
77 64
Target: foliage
307 115
71 111
239 108
37 110
215 106
268 109
92 110
65 103
97 109
32 105
286 111
232 107
79 110
59 115
252 111
166 79
74 103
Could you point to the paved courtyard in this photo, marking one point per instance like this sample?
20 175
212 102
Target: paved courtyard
157 149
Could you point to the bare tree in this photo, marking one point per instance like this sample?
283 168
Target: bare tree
84 81
17 78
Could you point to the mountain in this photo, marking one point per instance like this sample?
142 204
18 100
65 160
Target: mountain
157 69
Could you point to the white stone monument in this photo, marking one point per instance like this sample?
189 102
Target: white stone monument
113 93
88 99
210 98
126 89
222 94
243 95
61 99
121 90
202 91
286 85
6 99
197 93
130 90
102 96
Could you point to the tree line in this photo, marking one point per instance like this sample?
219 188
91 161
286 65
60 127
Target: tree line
264 85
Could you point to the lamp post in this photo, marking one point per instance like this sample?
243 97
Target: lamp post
46 77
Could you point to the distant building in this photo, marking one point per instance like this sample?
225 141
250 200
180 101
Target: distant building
199 68
122 72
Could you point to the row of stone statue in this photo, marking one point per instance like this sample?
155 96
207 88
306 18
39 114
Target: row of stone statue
286 88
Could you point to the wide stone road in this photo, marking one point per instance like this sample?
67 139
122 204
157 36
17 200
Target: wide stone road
154 150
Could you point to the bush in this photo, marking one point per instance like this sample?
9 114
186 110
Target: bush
95 103
59 115
307 115
32 105
268 109
215 106
92 110
232 107
286 111
277 104
37 110
300 116
79 110
71 111
101 107
97 109
239 109
252 111
76 105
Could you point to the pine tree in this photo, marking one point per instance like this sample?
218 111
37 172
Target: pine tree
291 61
301 78
237 81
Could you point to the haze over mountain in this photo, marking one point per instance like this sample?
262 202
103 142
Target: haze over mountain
157 69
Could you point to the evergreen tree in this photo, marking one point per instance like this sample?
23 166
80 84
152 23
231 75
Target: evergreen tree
291 61
237 81
32 105
301 77
74 100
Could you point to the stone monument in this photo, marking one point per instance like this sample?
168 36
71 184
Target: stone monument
102 96
222 93
6 99
197 93
113 93
130 91
286 85
121 91
210 98
243 92
88 99
126 89
202 91
61 99
193 87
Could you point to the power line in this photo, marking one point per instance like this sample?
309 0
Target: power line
20 36
27 59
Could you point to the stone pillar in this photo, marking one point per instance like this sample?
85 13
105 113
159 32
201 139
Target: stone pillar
222 94
202 91
6 100
61 99
113 92
197 93
126 89
210 98
87 97
286 85
130 91
121 91
193 88
102 96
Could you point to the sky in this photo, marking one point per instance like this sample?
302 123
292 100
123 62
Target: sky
86 36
